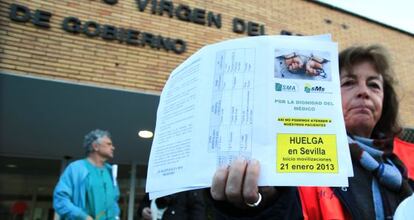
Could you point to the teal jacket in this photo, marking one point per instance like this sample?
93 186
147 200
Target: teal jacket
70 192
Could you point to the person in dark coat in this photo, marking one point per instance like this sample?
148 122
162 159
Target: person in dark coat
187 205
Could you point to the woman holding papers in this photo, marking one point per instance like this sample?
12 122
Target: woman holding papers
370 109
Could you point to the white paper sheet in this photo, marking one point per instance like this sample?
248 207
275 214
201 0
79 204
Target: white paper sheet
238 98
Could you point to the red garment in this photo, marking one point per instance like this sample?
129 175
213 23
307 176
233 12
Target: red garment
405 151
19 208
321 203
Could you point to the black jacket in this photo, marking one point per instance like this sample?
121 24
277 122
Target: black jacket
180 206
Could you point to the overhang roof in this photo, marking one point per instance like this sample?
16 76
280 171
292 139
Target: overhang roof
48 119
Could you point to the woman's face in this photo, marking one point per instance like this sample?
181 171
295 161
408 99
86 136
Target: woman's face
362 92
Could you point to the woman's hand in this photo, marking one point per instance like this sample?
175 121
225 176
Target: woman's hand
237 183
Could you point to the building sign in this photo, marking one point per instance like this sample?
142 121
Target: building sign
39 18
93 29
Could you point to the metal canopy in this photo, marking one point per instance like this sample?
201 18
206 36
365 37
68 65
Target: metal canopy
48 119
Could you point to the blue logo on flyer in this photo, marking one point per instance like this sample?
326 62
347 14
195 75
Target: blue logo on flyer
309 88
279 87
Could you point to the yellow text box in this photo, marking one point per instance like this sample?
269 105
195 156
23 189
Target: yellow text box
306 153
304 122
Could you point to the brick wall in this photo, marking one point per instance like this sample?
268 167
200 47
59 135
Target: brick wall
54 53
